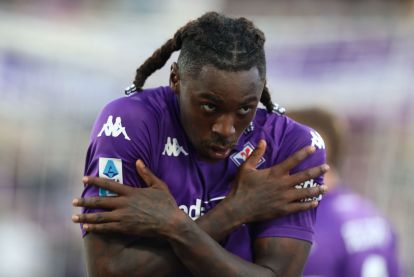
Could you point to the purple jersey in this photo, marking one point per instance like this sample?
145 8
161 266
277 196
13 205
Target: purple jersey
351 239
147 126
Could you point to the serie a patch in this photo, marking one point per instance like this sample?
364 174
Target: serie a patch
110 168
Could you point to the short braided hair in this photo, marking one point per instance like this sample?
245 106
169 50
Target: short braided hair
231 44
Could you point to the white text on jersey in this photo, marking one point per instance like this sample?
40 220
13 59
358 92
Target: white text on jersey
309 184
317 140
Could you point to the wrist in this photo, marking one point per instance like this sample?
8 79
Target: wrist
232 212
177 223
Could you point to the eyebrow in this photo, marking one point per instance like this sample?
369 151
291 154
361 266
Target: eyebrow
211 97
217 99
250 99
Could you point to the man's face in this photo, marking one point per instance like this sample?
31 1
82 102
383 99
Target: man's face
216 107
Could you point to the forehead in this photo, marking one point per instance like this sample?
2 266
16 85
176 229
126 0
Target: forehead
226 84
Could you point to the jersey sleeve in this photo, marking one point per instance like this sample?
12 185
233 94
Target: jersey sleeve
121 134
298 225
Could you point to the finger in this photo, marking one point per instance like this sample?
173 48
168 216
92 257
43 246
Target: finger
149 178
301 206
307 174
110 227
96 202
257 154
95 218
106 184
295 159
307 193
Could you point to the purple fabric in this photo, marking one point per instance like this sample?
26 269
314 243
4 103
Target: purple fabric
351 239
151 122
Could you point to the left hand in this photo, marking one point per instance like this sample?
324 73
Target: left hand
150 211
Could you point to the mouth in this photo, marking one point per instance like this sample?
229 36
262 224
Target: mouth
219 152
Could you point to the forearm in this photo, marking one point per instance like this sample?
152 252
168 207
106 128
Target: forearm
222 220
147 256
203 256
116 256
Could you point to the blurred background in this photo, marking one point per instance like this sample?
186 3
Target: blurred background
61 61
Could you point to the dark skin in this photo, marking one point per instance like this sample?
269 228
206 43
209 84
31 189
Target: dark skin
222 104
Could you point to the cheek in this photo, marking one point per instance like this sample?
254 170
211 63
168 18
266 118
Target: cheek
195 125
243 123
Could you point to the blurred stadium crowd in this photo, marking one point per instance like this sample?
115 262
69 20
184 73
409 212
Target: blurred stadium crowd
62 60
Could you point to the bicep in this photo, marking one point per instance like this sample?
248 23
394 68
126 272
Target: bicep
284 256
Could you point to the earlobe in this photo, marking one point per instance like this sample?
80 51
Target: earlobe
175 78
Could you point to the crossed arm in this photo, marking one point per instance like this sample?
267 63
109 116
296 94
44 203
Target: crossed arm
171 240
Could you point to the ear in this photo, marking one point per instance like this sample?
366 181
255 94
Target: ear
175 78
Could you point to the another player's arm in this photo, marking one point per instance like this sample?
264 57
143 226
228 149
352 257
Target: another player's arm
112 255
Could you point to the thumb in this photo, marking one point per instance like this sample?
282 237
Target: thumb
149 178
257 154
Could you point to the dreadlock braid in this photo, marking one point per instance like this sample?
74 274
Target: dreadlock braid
157 60
266 100
226 43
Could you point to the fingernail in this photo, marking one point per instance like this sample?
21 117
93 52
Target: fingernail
75 202
84 179
324 188
75 218
325 167
85 226
140 164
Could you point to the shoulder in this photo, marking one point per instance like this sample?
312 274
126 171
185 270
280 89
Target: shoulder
142 108
155 99
350 205
357 215
287 136
285 130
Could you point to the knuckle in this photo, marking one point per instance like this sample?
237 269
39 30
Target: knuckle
99 218
82 217
311 192
309 174
305 206
97 201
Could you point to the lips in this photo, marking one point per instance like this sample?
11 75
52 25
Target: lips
219 152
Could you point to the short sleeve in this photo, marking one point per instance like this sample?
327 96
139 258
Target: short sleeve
297 225
121 134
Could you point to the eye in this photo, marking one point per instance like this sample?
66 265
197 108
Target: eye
208 107
244 110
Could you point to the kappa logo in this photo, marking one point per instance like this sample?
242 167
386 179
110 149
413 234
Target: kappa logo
317 140
110 168
172 148
113 129
240 157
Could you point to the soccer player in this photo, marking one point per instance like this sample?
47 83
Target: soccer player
211 184
351 237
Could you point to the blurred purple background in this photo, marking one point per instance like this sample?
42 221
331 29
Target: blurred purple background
62 60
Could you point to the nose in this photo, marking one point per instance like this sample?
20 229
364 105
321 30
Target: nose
224 126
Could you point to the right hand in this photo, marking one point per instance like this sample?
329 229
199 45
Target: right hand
261 194
149 212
